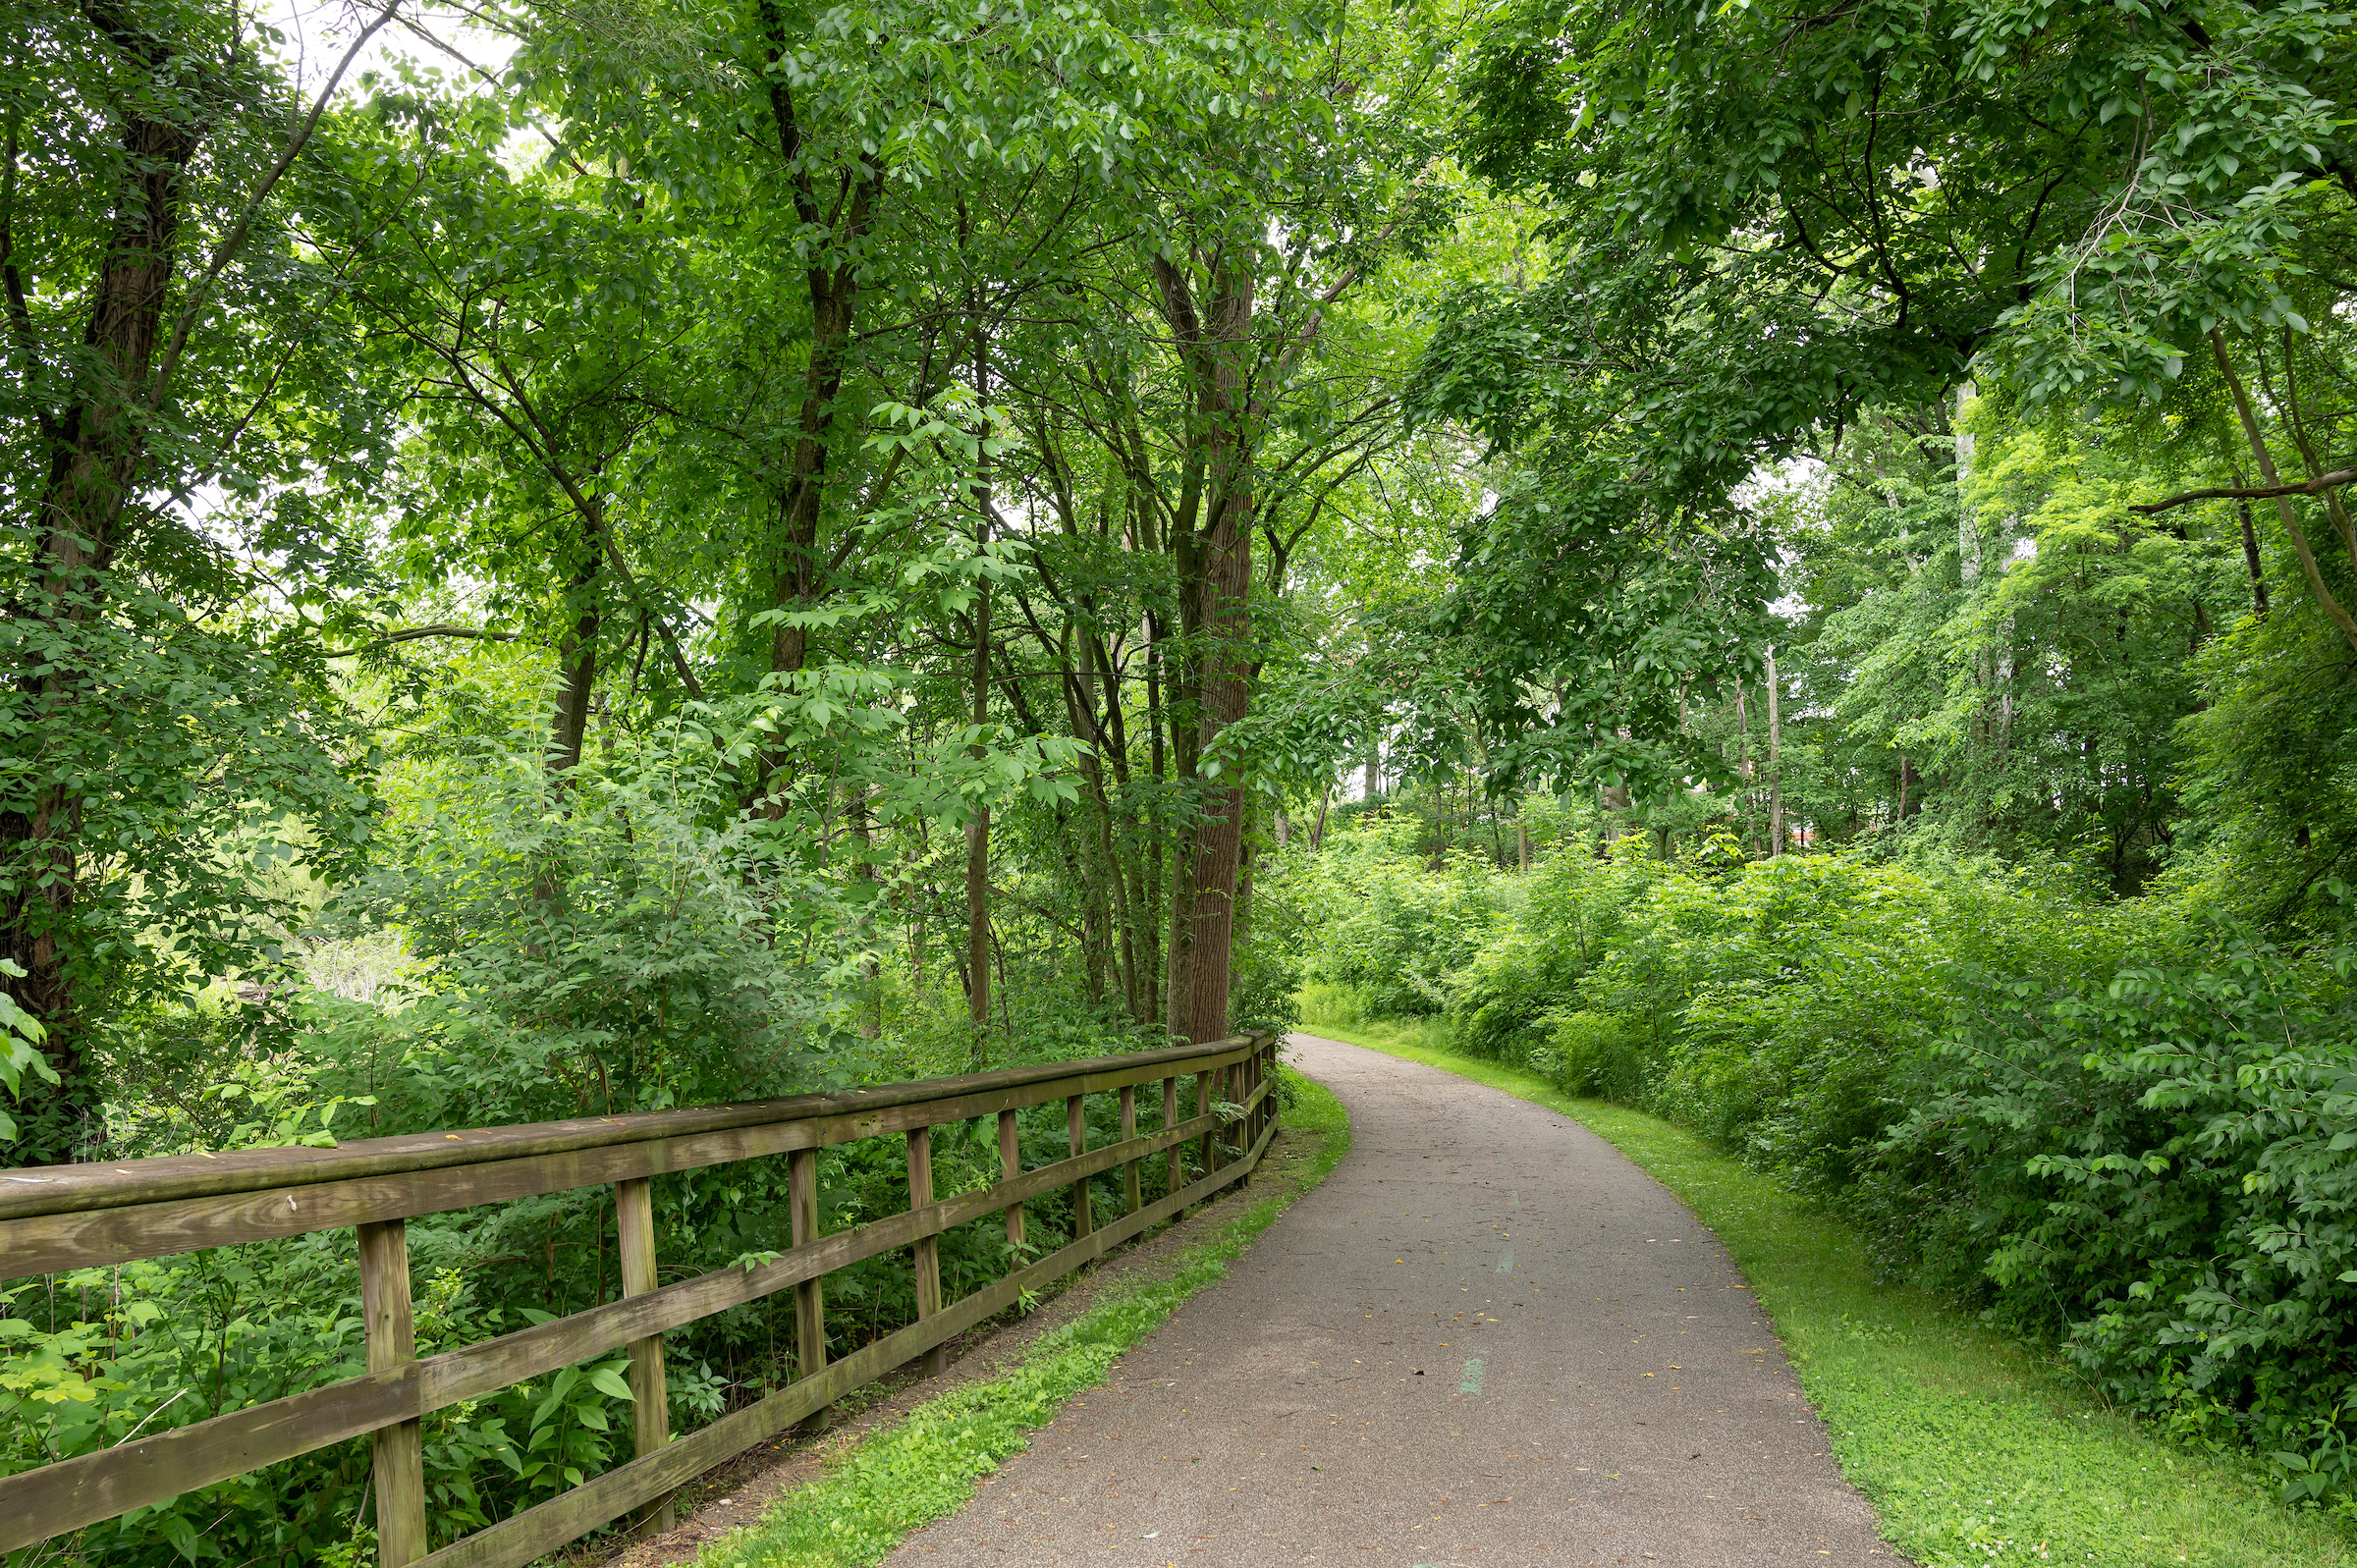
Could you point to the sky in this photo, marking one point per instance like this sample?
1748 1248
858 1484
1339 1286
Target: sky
317 33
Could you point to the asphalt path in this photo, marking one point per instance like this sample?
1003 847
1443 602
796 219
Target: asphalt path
1485 1339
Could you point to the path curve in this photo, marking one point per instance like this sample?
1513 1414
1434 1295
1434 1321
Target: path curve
1485 1339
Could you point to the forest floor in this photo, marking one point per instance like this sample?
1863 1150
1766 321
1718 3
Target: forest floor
1456 1350
1973 1446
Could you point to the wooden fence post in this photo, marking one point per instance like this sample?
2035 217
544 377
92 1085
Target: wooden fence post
1132 1189
1075 1129
810 1297
1274 1073
1246 1072
650 1404
1211 1139
927 1250
1230 1079
1010 1165
1169 1120
399 1452
1260 1076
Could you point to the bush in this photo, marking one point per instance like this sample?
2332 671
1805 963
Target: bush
2162 1164
1395 932
1593 1054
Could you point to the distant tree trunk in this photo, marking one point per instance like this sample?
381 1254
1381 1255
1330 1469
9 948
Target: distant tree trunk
1374 769
1776 766
1317 834
872 1000
1613 798
1751 799
577 656
2250 550
1154 961
977 837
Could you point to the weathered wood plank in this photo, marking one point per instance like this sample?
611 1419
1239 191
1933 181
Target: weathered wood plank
1075 1128
51 1243
1211 1140
809 1295
1132 1196
37 1504
650 1404
106 1184
537 1532
926 1256
1010 1165
1169 1119
398 1452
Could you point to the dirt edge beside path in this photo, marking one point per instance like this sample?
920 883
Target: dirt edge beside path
736 1494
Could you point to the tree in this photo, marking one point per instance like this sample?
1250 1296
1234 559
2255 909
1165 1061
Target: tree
164 346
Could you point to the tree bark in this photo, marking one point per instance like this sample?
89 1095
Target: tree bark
1776 766
2250 558
577 656
977 836
1216 572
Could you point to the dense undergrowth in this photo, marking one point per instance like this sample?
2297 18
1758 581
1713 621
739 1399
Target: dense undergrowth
2125 1128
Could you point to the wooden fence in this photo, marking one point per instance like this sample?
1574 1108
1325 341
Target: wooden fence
76 1216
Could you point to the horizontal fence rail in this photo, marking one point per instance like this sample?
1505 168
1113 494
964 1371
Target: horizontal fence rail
55 1219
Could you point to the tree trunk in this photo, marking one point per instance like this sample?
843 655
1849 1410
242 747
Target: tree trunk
576 657
1776 766
1150 901
2250 552
1216 576
977 838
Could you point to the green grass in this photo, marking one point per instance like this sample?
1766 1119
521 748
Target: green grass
1972 1448
926 1467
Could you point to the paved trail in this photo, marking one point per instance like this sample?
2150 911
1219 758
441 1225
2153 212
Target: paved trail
1486 1341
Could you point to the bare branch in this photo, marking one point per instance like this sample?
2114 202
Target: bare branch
419 635
2307 487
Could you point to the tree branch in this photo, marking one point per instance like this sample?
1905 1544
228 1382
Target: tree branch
418 634
2307 487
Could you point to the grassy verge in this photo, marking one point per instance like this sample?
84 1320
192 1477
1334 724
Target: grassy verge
925 1468
1973 1448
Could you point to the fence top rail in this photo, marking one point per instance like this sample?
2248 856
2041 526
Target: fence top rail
29 1191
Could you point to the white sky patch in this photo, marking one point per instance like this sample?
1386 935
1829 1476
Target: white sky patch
1792 476
317 33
